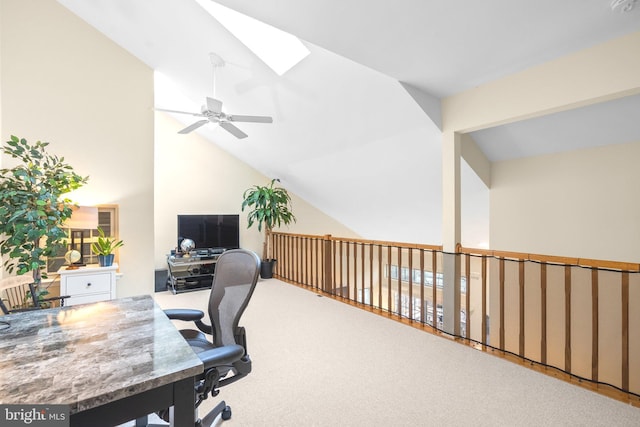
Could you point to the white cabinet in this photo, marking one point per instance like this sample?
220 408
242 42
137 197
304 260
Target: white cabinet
88 284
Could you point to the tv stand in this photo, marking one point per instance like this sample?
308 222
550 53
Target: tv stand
192 271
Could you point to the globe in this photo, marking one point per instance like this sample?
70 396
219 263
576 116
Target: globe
72 256
187 245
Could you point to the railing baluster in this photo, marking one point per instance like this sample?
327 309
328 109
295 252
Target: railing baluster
310 245
298 256
362 283
423 311
389 308
371 275
434 289
317 261
411 284
355 271
342 269
337 267
625 330
467 278
303 259
380 267
325 259
521 307
287 257
543 313
501 308
594 324
399 298
567 318
347 261
484 300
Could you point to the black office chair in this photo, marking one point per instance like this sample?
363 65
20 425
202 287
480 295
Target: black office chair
225 356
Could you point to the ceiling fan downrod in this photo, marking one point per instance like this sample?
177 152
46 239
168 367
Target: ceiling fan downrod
216 61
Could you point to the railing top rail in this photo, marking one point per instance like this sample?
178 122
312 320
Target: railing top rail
518 256
552 259
365 241
306 236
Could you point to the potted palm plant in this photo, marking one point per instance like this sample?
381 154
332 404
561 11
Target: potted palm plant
104 248
269 207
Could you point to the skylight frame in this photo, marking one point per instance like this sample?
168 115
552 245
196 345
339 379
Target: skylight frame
278 49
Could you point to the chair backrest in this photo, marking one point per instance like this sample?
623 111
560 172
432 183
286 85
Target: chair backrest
234 280
13 293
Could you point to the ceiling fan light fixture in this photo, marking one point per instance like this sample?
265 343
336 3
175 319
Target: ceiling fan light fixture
211 111
623 6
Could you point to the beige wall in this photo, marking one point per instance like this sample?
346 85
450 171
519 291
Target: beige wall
578 204
63 82
603 72
195 176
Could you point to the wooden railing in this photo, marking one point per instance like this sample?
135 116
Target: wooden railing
579 316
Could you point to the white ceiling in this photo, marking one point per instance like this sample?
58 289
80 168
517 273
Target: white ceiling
345 132
445 47
612 122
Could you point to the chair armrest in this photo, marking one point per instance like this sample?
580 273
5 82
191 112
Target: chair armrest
189 315
60 298
220 356
186 314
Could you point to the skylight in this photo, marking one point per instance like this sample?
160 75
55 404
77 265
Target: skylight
279 50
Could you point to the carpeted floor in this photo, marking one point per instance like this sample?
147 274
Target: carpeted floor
319 362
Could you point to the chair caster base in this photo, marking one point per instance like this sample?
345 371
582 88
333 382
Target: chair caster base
221 409
226 413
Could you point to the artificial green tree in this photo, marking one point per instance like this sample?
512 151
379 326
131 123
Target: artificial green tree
32 206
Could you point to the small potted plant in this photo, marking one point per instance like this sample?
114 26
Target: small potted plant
104 248
269 207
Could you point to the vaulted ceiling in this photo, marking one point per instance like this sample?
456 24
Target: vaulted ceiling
347 137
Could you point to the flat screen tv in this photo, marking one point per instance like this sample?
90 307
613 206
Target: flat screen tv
210 231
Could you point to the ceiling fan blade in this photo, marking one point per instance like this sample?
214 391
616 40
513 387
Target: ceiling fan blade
179 112
194 126
233 130
214 105
253 119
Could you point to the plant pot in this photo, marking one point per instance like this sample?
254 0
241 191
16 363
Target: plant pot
266 268
105 260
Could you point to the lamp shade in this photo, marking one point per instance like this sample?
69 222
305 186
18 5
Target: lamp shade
84 218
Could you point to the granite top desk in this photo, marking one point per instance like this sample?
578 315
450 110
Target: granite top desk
110 361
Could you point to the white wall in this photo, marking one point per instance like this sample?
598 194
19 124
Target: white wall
64 82
195 176
579 204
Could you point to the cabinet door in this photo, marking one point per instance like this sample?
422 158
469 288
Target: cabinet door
85 299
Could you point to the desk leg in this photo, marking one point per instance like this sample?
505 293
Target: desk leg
184 396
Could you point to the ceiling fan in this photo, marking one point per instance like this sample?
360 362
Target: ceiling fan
212 111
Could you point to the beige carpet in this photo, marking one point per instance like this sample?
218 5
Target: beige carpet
319 362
